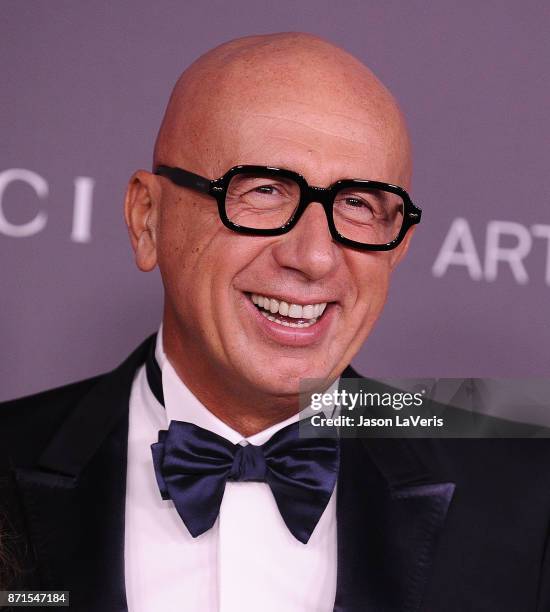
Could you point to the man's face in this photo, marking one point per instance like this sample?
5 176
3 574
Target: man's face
211 273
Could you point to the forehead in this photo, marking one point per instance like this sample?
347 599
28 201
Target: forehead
322 147
323 144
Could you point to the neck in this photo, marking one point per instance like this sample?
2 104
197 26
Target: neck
240 406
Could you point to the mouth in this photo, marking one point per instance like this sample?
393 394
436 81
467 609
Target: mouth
288 314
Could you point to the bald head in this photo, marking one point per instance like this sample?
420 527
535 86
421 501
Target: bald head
319 91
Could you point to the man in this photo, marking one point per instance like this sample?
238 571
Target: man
270 278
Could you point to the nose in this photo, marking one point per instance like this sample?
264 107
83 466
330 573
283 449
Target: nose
308 248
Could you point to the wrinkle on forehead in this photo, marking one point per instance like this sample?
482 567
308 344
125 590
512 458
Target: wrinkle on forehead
314 122
293 78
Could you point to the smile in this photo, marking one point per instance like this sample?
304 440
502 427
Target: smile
288 314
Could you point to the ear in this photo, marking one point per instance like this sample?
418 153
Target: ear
401 250
141 215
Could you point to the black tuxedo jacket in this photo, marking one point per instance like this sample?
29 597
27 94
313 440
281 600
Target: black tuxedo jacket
424 525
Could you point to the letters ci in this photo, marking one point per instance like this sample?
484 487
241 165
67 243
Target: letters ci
82 205
506 242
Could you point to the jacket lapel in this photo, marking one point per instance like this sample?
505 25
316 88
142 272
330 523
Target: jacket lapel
391 509
74 497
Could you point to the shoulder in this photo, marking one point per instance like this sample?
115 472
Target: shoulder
27 423
51 397
506 456
490 456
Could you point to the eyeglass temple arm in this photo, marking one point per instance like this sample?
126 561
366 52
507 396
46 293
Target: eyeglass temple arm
183 178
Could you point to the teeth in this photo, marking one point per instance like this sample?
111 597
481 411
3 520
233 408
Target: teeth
295 311
311 312
288 323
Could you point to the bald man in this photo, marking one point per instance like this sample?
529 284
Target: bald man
276 211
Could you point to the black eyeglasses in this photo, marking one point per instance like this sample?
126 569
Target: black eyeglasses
266 201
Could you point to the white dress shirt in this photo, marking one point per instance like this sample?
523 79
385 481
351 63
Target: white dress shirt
248 561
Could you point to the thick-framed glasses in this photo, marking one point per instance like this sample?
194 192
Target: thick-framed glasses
266 201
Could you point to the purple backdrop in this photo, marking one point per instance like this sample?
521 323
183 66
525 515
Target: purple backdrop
84 87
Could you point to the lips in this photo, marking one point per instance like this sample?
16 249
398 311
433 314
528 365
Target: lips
288 314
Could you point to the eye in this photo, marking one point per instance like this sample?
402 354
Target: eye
266 189
263 190
356 202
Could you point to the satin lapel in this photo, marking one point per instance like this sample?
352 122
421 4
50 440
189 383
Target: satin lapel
390 511
74 497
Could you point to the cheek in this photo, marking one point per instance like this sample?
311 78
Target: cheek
200 261
182 242
372 277
185 228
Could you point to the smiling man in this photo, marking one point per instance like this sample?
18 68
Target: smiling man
291 102
276 210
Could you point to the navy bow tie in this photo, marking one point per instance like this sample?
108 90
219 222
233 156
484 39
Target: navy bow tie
193 464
